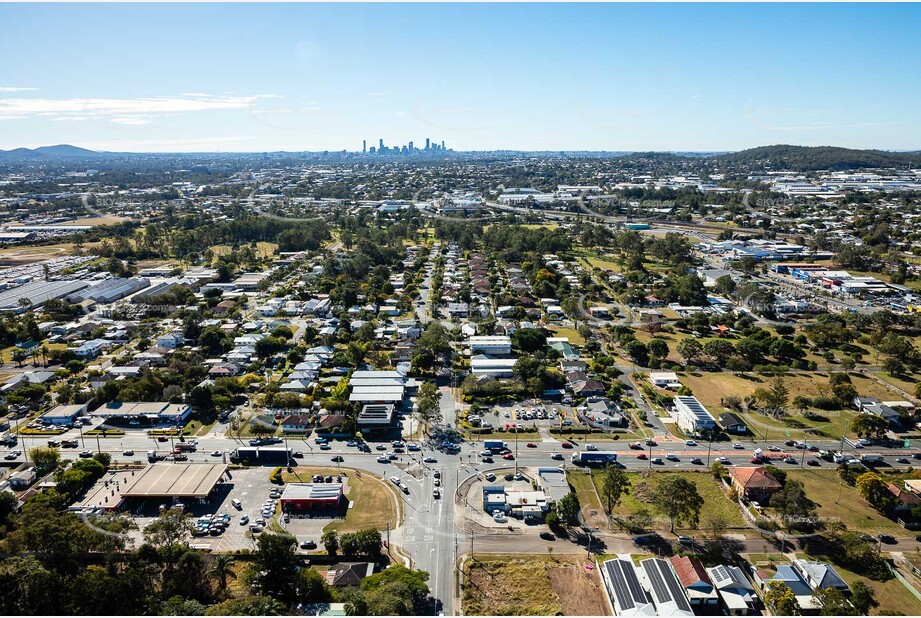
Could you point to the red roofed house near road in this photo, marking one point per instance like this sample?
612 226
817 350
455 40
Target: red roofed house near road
754 483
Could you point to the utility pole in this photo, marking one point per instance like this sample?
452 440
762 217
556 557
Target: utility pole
709 446
650 456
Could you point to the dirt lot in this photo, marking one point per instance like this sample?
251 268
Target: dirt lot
532 586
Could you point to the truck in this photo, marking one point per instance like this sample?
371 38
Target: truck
494 445
871 458
153 456
593 458
186 447
262 456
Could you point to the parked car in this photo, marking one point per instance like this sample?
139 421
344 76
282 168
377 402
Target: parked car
308 545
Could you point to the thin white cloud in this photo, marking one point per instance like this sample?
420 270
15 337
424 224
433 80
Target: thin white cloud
124 108
71 119
378 93
16 89
129 120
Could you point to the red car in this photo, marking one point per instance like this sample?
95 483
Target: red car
531 445
641 456
756 460
636 446
567 444
508 456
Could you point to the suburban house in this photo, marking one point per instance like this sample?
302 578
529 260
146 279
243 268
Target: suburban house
737 594
754 483
697 584
820 575
295 423
691 415
665 379
348 573
732 423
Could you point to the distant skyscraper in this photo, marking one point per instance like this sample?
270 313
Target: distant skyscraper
380 145
364 146
411 149
442 144
427 143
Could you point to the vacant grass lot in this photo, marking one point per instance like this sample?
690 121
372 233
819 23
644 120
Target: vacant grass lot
717 506
592 510
711 388
838 501
570 333
375 503
532 585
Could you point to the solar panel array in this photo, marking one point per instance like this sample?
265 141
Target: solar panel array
627 589
720 574
665 585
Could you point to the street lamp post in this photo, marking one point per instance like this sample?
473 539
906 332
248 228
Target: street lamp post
709 447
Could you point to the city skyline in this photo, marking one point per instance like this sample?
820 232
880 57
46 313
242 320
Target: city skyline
481 77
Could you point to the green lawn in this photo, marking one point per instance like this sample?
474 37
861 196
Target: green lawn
839 501
591 506
570 333
716 504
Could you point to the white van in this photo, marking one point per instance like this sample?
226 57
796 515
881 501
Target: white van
236 504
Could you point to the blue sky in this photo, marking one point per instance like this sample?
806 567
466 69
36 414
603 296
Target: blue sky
237 77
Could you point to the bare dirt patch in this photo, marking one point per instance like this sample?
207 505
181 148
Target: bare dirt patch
580 590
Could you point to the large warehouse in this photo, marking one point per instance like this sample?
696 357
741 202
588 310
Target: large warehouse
37 293
175 480
311 496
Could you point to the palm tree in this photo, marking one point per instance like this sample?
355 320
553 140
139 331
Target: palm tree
221 568
45 352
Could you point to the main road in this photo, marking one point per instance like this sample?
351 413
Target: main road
428 533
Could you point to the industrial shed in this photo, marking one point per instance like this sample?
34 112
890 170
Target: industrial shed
37 292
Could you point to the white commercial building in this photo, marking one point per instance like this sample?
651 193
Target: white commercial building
492 345
691 415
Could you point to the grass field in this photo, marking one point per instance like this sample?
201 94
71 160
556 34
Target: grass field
532 585
838 501
570 333
264 249
588 499
376 504
717 506
711 388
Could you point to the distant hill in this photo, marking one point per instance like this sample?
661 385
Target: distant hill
61 151
810 158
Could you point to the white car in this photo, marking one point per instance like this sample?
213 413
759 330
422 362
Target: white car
723 460
591 447
737 446
690 443
383 459
500 518
490 477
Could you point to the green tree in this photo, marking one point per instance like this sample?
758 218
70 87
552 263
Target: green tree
276 567
428 405
567 509
832 602
780 599
222 570
658 348
862 598
874 490
690 350
45 459
869 426
170 533
614 485
678 498
256 605
792 502
774 399
330 542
